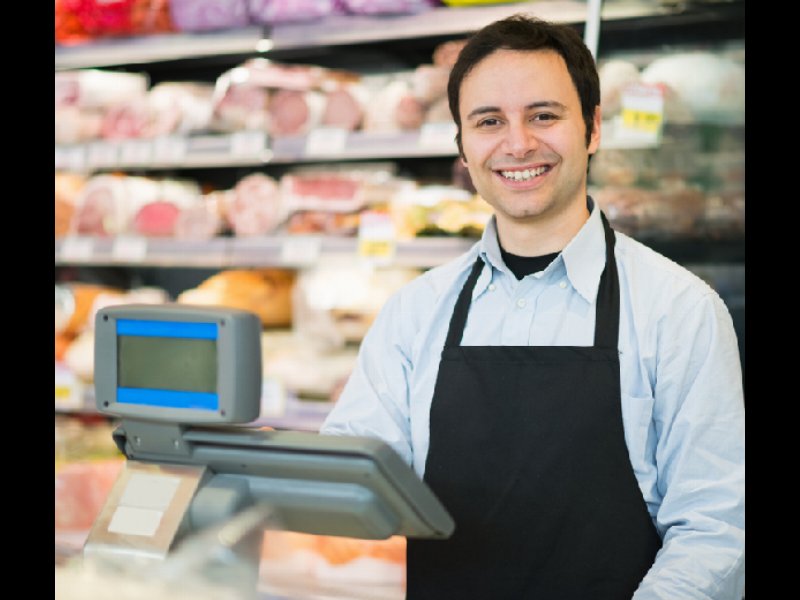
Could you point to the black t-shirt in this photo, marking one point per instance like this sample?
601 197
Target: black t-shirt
521 266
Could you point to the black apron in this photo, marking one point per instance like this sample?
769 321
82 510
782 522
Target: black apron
527 453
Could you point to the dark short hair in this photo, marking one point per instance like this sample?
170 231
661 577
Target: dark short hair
523 32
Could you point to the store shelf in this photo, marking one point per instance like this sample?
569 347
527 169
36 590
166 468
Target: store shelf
252 148
277 251
162 47
330 31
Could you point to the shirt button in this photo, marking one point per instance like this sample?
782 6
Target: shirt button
562 285
521 302
492 287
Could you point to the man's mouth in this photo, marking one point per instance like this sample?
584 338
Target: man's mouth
524 174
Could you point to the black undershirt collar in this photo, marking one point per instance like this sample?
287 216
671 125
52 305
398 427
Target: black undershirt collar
521 266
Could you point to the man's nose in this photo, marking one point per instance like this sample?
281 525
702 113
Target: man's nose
520 139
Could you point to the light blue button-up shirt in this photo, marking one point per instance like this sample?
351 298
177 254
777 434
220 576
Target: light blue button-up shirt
680 375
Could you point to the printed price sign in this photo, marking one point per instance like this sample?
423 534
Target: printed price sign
75 248
136 153
170 150
61 158
76 158
102 155
376 237
642 113
248 143
438 136
300 250
326 141
129 249
69 390
273 398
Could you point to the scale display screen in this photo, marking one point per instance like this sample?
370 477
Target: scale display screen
179 364
167 364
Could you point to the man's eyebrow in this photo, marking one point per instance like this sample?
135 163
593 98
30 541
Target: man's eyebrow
482 110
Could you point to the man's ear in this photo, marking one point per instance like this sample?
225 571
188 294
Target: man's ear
594 139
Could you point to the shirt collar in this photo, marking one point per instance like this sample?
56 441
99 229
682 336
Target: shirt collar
584 256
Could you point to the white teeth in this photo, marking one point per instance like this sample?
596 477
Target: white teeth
523 175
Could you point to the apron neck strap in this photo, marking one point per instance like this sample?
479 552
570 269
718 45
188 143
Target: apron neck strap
606 330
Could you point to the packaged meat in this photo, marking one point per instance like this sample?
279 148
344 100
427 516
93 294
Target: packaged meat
127 120
338 302
81 490
269 12
69 28
67 189
712 87
615 75
394 108
345 105
180 107
388 7
446 53
429 83
439 210
203 220
159 217
323 190
255 206
95 88
151 16
326 223
293 112
209 15
266 292
74 125
439 112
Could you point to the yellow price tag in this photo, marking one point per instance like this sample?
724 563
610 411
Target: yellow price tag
649 122
376 248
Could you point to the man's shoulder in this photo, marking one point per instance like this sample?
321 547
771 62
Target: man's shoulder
658 279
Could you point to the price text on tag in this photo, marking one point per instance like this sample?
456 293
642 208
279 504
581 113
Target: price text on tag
248 143
376 237
300 250
69 392
129 249
326 141
642 112
438 136
75 248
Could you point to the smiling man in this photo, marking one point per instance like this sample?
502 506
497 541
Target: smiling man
572 397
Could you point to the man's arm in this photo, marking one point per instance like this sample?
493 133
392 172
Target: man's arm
699 422
374 402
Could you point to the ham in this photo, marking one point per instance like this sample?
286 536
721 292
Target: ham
255 206
344 107
294 112
156 219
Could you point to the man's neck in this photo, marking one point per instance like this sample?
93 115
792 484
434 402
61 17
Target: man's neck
539 237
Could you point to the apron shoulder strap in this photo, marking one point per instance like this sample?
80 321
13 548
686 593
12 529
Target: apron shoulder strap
459 319
606 328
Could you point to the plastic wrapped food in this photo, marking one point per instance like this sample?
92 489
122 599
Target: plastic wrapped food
255 206
209 15
388 7
288 11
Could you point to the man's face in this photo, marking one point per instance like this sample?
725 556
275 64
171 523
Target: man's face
523 136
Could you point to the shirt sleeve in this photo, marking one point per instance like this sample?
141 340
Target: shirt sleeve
374 402
698 418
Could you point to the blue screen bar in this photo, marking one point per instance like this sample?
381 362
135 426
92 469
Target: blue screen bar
175 329
168 398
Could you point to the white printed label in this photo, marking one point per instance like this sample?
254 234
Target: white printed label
76 158
642 115
438 136
300 250
76 248
102 154
136 153
248 143
129 520
129 249
150 491
376 237
326 141
69 390
61 158
273 398
170 150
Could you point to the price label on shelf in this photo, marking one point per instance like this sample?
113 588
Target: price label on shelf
76 158
170 150
273 398
326 141
102 155
438 136
129 249
642 115
76 248
61 158
69 389
377 241
300 250
248 143
136 152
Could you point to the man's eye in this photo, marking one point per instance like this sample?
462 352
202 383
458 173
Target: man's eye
544 117
488 122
